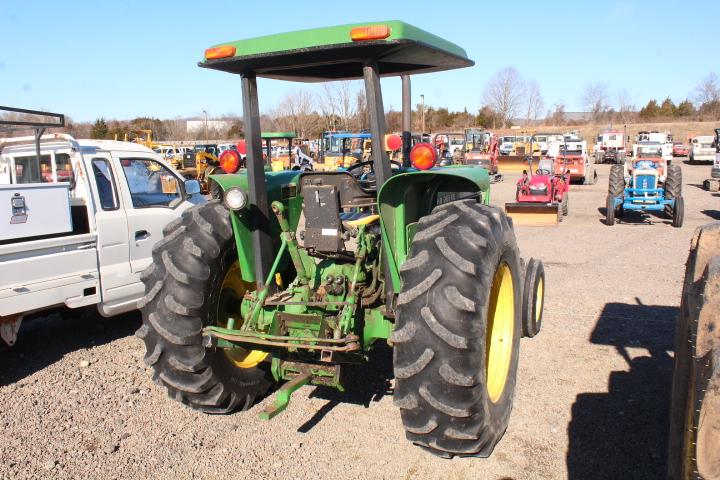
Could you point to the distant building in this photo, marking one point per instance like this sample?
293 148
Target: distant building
194 126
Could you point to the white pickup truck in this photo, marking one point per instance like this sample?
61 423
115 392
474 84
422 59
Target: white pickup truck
702 149
79 223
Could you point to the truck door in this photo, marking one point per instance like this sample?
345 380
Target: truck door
155 197
111 225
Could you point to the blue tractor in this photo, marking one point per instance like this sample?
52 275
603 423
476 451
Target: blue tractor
646 184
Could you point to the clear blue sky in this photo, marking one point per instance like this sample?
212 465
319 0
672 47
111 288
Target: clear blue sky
122 59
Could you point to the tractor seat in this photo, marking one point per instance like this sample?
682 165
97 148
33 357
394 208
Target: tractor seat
356 219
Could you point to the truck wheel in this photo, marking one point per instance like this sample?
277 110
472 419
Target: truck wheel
194 281
610 211
695 406
458 330
565 204
673 185
533 298
678 212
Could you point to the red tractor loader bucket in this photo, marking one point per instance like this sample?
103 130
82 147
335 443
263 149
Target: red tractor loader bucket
534 214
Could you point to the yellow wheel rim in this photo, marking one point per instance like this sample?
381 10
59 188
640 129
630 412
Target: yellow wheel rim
231 293
539 298
500 331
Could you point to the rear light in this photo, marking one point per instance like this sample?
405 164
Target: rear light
394 143
230 161
370 32
222 51
423 156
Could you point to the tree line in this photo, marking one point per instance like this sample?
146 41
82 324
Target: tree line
508 99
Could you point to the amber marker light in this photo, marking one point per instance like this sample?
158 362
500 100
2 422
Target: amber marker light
369 32
222 51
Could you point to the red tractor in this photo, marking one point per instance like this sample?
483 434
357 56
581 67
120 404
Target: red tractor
541 198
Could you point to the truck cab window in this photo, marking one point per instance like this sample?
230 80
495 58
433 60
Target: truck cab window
107 192
30 170
63 168
151 184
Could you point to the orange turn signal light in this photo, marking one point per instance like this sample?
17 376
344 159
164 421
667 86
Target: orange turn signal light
370 32
230 161
222 51
423 156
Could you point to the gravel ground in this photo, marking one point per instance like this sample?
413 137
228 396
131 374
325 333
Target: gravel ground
591 402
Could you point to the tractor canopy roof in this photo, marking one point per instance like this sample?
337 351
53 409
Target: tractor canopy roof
278 135
338 53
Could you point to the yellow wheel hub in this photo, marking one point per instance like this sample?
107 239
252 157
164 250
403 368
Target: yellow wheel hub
500 331
539 296
231 293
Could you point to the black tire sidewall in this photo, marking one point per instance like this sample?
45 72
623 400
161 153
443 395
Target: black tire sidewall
531 322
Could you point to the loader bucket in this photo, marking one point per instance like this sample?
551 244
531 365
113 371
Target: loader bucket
512 163
534 214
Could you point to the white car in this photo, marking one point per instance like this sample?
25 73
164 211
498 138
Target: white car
80 223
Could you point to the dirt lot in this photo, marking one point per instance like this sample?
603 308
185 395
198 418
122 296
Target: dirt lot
591 402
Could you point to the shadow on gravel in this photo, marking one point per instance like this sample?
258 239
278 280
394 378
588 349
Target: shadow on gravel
364 384
46 338
637 218
623 433
696 185
714 214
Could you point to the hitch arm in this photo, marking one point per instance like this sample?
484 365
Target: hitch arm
282 397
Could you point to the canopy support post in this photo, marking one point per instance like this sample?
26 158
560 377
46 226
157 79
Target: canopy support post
406 120
259 207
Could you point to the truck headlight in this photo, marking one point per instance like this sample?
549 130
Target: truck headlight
235 199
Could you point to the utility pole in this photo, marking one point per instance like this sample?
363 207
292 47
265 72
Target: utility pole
422 112
206 135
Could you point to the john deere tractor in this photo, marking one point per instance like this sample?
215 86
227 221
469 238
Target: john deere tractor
292 276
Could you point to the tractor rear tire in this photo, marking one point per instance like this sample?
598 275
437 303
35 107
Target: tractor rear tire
590 177
610 211
695 406
183 287
678 212
673 184
616 182
459 311
533 298
565 205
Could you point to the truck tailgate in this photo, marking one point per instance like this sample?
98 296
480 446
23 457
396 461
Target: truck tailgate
44 273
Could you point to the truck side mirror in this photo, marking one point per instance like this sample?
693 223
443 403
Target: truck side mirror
192 187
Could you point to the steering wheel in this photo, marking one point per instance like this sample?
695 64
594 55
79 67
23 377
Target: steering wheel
367 177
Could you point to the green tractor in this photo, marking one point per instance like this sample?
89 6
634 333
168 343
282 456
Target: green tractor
292 276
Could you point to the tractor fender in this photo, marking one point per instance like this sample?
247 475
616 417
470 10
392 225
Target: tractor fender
407 197
282 186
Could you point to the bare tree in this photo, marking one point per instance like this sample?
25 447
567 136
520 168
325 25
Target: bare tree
296 112
596 99
533 101
708 90
504 93
626 108
338 104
